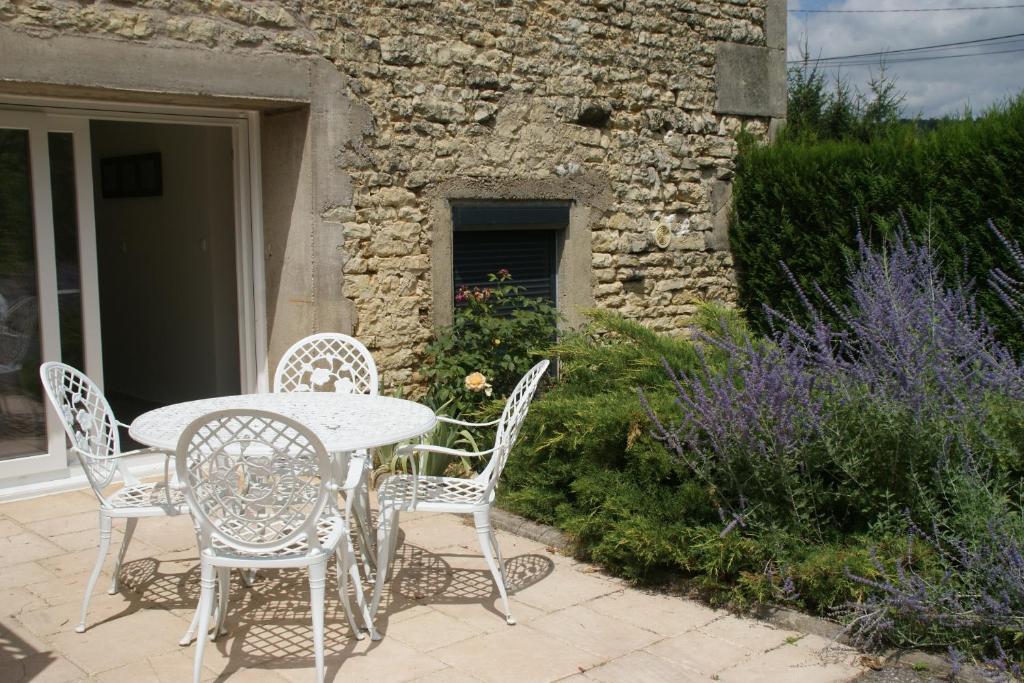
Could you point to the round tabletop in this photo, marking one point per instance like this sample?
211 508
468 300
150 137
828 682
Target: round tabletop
344 422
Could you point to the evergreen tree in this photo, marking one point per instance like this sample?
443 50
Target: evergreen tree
819 112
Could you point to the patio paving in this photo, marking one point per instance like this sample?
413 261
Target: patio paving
440 616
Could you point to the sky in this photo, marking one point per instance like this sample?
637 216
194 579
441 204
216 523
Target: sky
935 87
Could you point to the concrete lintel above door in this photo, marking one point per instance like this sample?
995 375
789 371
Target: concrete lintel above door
133 72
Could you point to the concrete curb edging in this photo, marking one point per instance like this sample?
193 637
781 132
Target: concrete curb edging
781 617
535 531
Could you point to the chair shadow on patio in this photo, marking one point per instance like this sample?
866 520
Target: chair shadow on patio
148 583
269 623
423 577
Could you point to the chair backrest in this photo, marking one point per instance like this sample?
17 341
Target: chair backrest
516 407
88 422
328 361
254 480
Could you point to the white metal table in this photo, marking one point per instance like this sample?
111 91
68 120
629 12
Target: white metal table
344 422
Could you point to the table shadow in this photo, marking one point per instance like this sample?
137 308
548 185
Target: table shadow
269 624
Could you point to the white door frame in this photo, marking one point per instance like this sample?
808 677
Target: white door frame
43 115
46 285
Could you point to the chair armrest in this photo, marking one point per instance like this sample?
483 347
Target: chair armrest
149 451
90 456
463 423
409 449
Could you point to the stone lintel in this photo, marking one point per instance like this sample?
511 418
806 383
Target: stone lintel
151 72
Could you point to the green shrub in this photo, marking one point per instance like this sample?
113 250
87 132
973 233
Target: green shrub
801 469
798 201
496 332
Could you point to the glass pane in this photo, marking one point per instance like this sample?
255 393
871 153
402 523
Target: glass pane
22 416
65 229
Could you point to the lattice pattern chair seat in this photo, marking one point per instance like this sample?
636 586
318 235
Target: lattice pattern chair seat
420 493
91 428
258 486
328 531
415 493
150 494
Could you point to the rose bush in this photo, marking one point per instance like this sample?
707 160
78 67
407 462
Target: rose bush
494 337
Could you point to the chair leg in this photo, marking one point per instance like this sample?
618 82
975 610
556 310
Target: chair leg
364 609
497 554
341 567
392 542
106 524
186 639
361 508
386 527
483 535
129 529
317 583
208 586
248 577
223 592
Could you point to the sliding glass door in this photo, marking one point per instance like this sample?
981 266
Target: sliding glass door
48 298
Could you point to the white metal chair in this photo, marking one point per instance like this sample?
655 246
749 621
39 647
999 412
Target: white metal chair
331 361
92 429
260 487
415 493
328 361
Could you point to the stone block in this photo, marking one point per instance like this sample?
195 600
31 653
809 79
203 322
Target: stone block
775 24
750 80
400 51
717 239
394 196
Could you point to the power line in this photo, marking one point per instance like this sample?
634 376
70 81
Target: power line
883 53
920 59
889 11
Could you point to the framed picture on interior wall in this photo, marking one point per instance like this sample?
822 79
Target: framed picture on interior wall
135 175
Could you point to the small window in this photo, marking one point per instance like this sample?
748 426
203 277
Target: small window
521 237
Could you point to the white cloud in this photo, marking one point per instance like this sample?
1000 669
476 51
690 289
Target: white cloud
932 88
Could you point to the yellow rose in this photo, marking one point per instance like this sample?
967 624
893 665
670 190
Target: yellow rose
475 381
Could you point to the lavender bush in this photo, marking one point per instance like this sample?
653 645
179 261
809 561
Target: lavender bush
1009 288
829 431
961 581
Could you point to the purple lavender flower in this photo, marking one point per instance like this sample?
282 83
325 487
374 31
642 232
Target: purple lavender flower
761 424
1010 289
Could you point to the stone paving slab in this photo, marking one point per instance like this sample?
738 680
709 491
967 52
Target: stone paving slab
440 616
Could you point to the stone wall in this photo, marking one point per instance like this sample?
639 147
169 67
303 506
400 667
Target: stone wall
635 101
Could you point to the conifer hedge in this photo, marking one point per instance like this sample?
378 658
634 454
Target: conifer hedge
798 202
